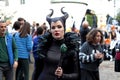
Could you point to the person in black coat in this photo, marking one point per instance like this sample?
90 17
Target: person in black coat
59 51
84 31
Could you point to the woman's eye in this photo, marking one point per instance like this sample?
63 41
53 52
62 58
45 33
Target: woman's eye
52 27
59 26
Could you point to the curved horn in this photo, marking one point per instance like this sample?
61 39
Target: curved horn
51 12
65 13
62 10
48 17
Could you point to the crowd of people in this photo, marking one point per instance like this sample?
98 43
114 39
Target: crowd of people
58 55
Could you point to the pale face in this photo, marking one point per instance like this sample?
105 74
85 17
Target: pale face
2 29
98 37
57 30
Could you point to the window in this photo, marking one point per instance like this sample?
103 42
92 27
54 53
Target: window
22 1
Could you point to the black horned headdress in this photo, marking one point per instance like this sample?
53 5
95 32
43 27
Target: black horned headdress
62 18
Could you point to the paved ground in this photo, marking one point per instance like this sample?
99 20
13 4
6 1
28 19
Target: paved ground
106 71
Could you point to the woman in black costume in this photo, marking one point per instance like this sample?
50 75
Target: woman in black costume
59 51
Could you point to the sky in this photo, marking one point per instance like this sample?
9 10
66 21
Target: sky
36 10
101 8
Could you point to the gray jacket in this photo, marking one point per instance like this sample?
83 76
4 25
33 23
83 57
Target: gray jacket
87 58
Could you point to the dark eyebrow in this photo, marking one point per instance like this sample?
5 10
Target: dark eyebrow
2 26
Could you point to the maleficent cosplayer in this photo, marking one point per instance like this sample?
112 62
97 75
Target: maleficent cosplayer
59 51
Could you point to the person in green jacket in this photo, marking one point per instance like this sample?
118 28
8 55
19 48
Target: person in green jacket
8 53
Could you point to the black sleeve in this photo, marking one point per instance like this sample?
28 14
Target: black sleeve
76 69
73 52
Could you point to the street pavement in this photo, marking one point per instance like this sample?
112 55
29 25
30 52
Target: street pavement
106 71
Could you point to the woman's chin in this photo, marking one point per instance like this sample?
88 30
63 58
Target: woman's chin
58 38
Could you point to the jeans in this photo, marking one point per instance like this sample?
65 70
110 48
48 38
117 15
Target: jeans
22 71
6 71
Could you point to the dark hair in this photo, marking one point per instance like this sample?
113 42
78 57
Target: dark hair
37 24
39 31
16 25
20 19
25 29
2 21
91 35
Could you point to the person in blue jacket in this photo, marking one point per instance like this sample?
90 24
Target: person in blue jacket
8 53
24 44
37 61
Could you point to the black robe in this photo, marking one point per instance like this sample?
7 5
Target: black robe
52 56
